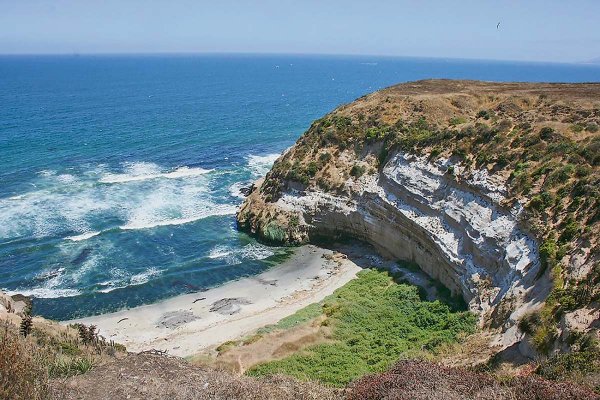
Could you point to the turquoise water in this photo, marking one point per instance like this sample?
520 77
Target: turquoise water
120 175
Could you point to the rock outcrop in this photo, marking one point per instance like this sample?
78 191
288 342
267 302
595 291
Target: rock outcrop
17 304
448 174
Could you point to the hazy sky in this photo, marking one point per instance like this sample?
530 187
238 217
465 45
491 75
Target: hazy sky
545 30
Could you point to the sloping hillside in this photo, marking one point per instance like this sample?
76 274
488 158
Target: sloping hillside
491 188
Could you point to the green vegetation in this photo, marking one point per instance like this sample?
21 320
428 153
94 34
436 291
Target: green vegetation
564 297
69 366
373 321
274 232
302 316
592 127
357 170
571 366
485 114
552 165
457 121
31 354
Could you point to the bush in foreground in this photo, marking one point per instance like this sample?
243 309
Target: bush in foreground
421 380
22 373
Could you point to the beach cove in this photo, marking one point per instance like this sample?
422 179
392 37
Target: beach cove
188 324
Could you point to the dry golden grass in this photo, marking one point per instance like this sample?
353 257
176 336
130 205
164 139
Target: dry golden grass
22 371
151 376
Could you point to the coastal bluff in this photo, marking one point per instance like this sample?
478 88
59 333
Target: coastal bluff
491 188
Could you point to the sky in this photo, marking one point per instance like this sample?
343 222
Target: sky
530 30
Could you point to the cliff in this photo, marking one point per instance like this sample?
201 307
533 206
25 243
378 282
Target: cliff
491 188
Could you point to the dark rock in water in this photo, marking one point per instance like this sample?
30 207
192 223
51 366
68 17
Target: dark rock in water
49 274
247 190
81 257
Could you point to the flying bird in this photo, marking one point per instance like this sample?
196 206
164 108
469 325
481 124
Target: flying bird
498 26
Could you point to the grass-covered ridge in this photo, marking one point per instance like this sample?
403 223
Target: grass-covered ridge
374 321
539 141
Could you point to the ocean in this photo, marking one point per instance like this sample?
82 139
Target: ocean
120 175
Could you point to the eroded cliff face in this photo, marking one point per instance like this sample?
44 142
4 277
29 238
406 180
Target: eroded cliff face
425 172
414 210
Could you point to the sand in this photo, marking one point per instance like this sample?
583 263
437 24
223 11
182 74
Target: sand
189 324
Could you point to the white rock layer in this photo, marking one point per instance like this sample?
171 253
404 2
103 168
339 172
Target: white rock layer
457 232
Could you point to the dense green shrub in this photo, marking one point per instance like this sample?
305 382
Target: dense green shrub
548 251
529 323
357 170
563 366
576 128
570 229
544 338
592 127
546 133
312 168
485 114
324 157
457 121
373 322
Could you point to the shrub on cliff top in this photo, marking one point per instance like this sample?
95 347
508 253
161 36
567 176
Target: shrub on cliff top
422 380
357 170
22 373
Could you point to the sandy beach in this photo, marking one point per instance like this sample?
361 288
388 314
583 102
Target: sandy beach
191 323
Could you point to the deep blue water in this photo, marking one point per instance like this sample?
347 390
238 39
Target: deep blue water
119 175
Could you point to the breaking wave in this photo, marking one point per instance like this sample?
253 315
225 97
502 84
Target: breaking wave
260 165
122 280
75 207
142 171
233 256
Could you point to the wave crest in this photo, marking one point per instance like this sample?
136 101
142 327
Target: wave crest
260 165
234 256
143 171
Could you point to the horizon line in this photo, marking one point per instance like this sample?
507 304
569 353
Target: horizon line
239 53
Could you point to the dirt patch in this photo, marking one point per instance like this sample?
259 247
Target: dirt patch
274 345
174 319
229 306
154 377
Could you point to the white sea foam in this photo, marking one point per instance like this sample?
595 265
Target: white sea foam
142 171
175 205
257 251
83 236
90 264
46 173
122 280
260 165
145 221
44 293
110 286
50 274
66 178
233 256
219 251
77 204
50 288
235 190
145 276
